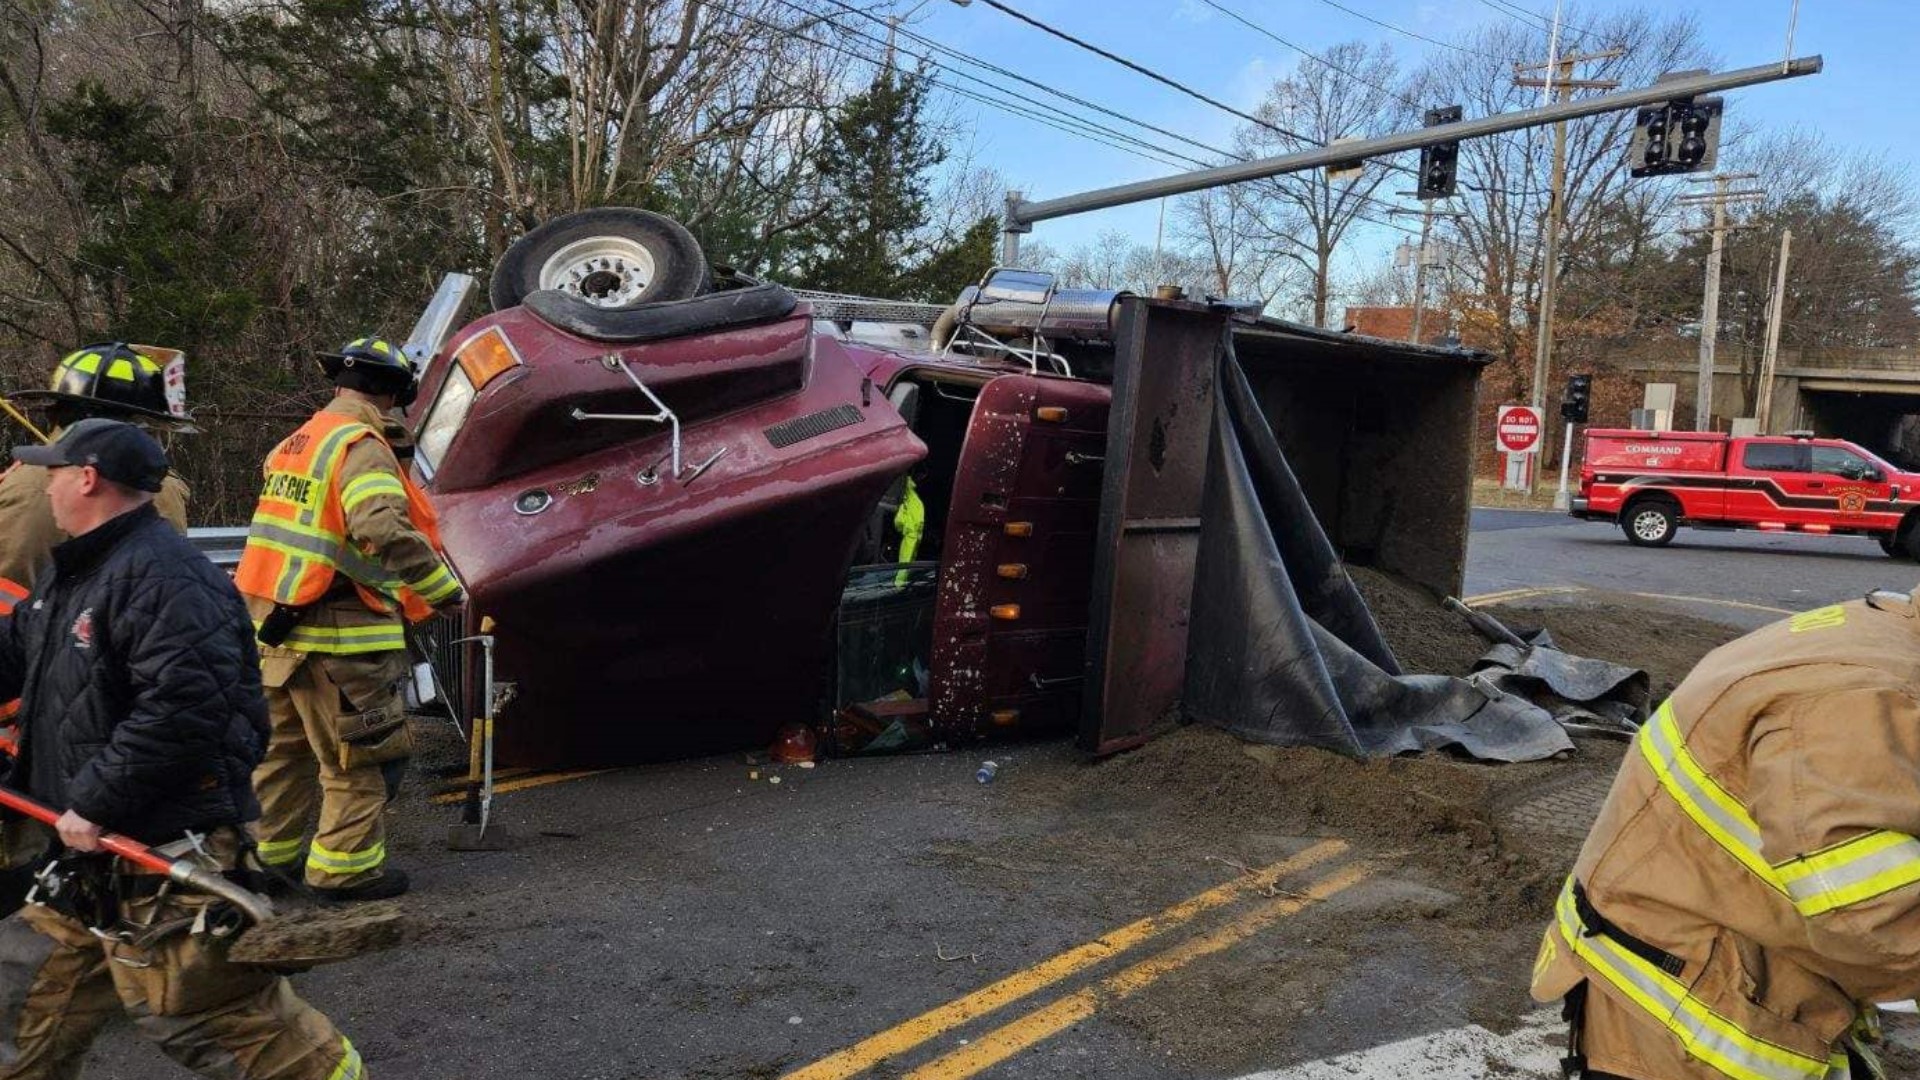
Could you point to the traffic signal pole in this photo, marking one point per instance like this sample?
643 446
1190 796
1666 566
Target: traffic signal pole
1562 499
1021 215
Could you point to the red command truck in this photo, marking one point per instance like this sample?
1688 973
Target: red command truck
1652 482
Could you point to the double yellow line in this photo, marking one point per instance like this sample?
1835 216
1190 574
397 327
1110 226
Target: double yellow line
1003 1042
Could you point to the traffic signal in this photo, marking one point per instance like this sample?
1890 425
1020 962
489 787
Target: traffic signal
1579 396
1437 162
1697 126
1678 137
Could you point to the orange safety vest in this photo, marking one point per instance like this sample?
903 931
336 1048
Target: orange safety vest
298 538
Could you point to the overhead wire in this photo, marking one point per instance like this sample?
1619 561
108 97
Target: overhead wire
1403 30
1183 157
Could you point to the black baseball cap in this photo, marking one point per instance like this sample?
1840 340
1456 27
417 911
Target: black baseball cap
118 450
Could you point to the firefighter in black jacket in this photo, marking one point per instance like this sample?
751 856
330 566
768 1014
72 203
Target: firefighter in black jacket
141 714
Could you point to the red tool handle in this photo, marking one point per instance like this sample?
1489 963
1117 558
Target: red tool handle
256 907
133 851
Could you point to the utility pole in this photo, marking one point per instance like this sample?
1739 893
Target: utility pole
1710 309
1776 314
1427 214
1559 82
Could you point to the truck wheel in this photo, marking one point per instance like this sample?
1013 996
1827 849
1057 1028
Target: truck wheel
1890 543
613 257
1650 523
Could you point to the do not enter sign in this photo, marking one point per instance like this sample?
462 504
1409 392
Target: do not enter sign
1516 429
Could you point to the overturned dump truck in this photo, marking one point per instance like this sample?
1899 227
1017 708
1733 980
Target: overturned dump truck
677 495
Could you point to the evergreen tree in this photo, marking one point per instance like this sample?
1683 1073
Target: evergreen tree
876 170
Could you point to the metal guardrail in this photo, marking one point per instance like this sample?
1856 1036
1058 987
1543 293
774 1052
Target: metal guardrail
221 544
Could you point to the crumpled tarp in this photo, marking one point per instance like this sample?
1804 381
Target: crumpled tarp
1574 689
1282 648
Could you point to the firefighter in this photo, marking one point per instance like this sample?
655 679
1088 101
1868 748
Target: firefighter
343 551
141 715
1752 884
111 380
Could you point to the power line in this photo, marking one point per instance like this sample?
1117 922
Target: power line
1532 19
1403 30
1355 76
1148 72
1016 76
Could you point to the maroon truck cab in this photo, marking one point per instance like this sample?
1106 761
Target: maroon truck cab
1652 482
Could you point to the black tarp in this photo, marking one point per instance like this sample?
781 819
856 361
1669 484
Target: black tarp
1282 648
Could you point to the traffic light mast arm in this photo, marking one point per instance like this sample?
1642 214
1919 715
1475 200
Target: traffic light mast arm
1021 213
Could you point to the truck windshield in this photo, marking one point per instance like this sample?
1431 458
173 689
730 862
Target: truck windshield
1839 461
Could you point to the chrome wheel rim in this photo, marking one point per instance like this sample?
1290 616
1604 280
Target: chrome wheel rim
605 271
1650 525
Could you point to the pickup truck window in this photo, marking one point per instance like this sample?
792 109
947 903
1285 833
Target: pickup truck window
1773 457
1834 461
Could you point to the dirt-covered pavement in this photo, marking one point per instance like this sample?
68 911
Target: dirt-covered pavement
1197 909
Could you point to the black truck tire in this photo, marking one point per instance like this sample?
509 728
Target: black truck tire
1890 543
612 257
1650 522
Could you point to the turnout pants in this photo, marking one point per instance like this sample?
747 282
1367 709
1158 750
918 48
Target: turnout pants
60 983
336 721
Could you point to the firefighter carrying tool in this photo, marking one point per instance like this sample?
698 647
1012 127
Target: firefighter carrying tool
344 549
1752 885
116 381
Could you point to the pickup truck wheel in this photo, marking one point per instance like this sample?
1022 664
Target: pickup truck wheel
1890 544
613 257
1650 523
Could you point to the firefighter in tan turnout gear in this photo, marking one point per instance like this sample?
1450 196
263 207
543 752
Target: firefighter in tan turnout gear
342 552
1752 885
114 380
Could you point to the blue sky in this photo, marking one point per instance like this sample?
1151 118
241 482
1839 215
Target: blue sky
1866 98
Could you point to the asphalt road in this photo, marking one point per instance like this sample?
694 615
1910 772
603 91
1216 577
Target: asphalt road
695 920
1726 575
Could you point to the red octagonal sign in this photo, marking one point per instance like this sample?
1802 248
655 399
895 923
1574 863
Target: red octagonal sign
1516 429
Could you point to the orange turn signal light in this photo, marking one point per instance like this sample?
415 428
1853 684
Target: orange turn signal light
1018 528
486 356
1012 571
1052 414
1008 612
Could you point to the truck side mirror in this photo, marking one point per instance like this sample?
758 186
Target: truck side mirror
1874 476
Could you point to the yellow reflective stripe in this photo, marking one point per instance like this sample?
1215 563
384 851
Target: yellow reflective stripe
349 1067
85 363
327 459
147 365
330 861
436 586
362 488
121 369
1702 798
1825 618
1705 1034
280 852
1851 872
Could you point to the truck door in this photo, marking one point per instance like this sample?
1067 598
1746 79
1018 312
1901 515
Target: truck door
1771 483
1010 618
1858 488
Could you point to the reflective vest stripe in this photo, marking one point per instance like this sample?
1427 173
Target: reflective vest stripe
1707 1036
362 488
330 861
1705 801
1850 872
11 593
275 537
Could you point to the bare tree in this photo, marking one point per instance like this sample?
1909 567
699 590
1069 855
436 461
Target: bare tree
1349 94
1239 258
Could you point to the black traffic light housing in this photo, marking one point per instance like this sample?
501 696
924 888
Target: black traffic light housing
1437 162
1579 396
1680 136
